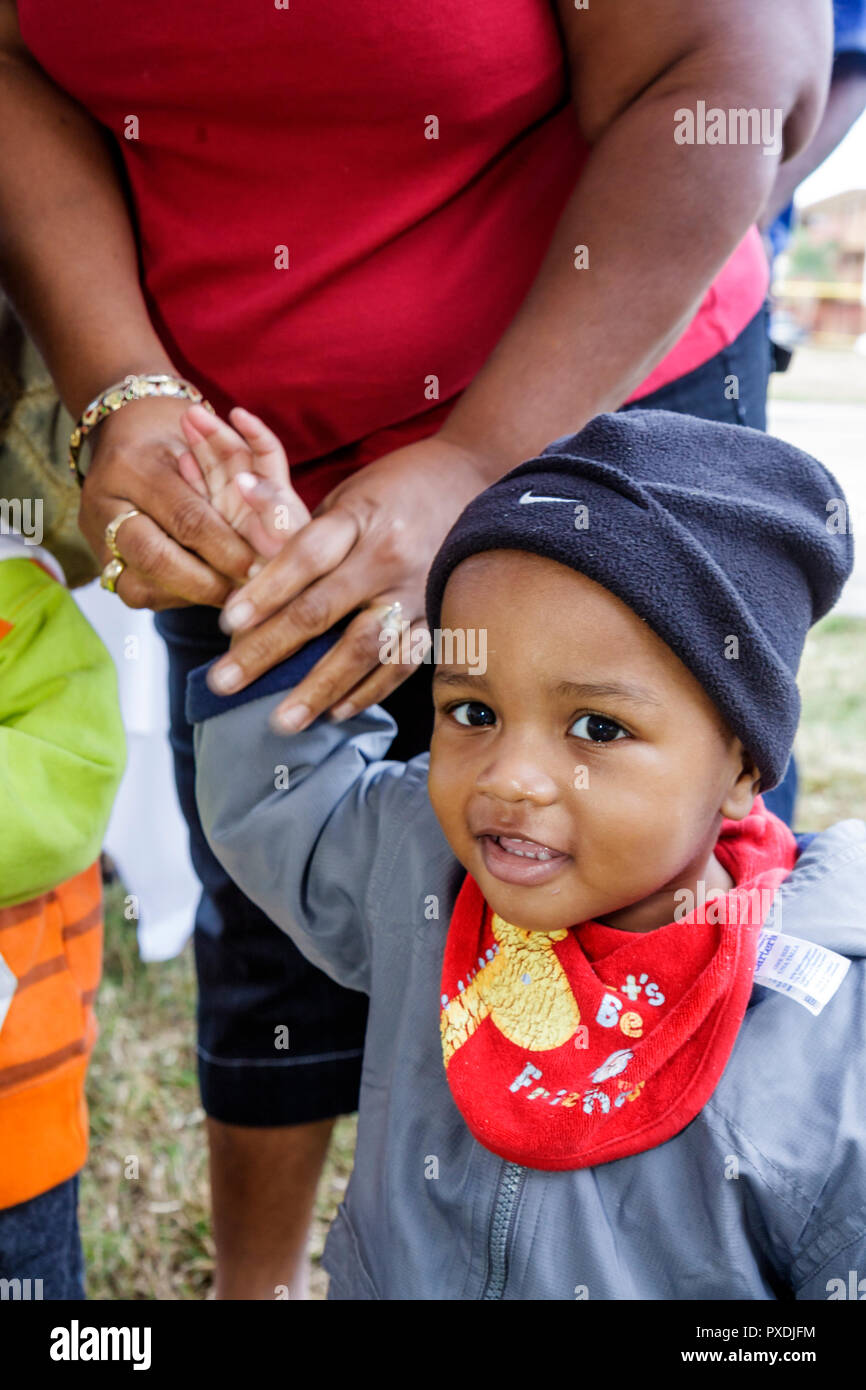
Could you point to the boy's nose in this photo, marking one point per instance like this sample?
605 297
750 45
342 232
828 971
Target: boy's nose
517 777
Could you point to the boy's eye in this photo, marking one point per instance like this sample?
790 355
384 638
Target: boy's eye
472 714
598 729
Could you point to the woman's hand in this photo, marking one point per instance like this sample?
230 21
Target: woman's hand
370 544
179 550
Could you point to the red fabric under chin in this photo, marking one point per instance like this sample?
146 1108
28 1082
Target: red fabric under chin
569 1048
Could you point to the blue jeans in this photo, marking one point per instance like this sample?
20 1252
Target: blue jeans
40 1247
732 388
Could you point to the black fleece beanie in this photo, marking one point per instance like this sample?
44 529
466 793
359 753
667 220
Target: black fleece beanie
708 532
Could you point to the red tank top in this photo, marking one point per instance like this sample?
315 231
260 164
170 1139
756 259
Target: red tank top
342 203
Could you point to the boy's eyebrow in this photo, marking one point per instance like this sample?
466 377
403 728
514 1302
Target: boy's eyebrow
447 676
601 689
589 690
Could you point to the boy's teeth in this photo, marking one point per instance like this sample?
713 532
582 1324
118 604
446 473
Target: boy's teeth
528 851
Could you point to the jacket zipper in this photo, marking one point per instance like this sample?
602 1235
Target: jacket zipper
500 1226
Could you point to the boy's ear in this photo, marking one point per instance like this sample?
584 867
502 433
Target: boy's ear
745 786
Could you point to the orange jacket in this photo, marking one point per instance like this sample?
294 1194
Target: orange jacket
61 757
53 947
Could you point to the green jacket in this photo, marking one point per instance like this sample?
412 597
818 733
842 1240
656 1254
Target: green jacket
62 747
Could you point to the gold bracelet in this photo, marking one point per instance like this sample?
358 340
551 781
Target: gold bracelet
132 388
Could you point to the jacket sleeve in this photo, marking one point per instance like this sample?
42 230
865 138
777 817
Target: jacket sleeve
842 1275
830 1259
304 823
62 748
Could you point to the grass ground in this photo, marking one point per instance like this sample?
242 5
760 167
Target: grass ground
144 1195
148 1236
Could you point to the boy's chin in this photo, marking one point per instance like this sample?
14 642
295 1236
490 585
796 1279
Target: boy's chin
541 909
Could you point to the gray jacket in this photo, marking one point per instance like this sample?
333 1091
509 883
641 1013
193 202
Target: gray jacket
762 1196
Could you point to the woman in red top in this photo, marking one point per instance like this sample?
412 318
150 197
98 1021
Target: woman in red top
421 242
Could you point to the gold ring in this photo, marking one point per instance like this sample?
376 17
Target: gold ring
112 572
114 526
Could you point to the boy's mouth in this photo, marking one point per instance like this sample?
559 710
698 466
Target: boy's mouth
515 859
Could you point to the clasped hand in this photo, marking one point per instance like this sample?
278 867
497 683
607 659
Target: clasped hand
369 546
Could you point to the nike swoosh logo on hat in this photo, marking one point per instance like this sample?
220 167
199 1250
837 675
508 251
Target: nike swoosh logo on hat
529 497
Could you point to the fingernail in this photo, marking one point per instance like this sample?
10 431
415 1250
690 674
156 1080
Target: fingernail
342 711
293 718
225 677
255 568
236 614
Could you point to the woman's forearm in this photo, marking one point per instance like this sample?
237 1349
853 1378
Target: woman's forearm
68 259
69 264
584 338
845 104
658 219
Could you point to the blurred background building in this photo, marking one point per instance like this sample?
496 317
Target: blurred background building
820 282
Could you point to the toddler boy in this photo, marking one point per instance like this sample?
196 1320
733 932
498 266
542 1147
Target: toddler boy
62 754
617 1013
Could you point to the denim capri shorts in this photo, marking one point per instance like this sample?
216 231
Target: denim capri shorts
252 979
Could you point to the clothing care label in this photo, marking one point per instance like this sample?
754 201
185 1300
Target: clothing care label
808 973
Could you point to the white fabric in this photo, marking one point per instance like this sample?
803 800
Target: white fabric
8 986
13 546
147 835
